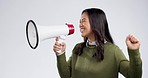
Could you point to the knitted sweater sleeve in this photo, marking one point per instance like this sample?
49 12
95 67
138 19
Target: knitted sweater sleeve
131 68
64 66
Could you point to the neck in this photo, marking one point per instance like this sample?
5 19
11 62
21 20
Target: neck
91 40
91 37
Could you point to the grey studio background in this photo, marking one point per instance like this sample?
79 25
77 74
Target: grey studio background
18 60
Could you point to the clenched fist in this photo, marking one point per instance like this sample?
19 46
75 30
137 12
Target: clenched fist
132 42
59 48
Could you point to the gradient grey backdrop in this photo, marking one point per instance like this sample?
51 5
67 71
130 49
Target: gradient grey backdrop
18 60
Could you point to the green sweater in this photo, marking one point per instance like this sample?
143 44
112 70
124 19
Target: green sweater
85 66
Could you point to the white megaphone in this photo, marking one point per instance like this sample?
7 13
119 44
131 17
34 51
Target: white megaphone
35 34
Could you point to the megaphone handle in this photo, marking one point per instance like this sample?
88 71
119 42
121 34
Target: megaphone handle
61 39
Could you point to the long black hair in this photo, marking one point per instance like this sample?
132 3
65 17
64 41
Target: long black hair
99 27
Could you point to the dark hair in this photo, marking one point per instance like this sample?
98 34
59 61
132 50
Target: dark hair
99 26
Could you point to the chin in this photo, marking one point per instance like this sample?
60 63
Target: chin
83 35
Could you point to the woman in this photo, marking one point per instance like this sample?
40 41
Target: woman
98 56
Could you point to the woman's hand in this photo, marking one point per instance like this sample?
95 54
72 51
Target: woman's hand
132 42
59 48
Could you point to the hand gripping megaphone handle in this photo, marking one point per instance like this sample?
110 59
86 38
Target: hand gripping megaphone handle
61 39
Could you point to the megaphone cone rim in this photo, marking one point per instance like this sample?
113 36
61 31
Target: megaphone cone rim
31 21
71 29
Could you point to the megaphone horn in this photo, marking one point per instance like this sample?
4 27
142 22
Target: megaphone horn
35 33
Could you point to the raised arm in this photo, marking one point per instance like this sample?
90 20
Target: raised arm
133 67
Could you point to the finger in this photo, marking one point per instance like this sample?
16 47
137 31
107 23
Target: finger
56 48
133 39
57 43
128 37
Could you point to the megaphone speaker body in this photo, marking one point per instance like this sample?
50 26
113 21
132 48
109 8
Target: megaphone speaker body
36 34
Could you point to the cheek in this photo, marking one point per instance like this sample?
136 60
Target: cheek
89 29
87 32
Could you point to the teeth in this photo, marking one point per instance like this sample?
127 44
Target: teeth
81 30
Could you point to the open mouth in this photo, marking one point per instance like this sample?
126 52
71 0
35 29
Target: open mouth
82 30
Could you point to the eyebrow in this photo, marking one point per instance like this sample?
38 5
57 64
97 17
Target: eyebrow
83 18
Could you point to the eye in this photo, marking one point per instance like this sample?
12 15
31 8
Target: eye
83 20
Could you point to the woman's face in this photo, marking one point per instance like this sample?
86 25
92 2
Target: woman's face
85 27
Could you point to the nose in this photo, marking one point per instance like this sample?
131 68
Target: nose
80 25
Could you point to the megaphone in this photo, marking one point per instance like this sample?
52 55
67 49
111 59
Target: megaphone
35 33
